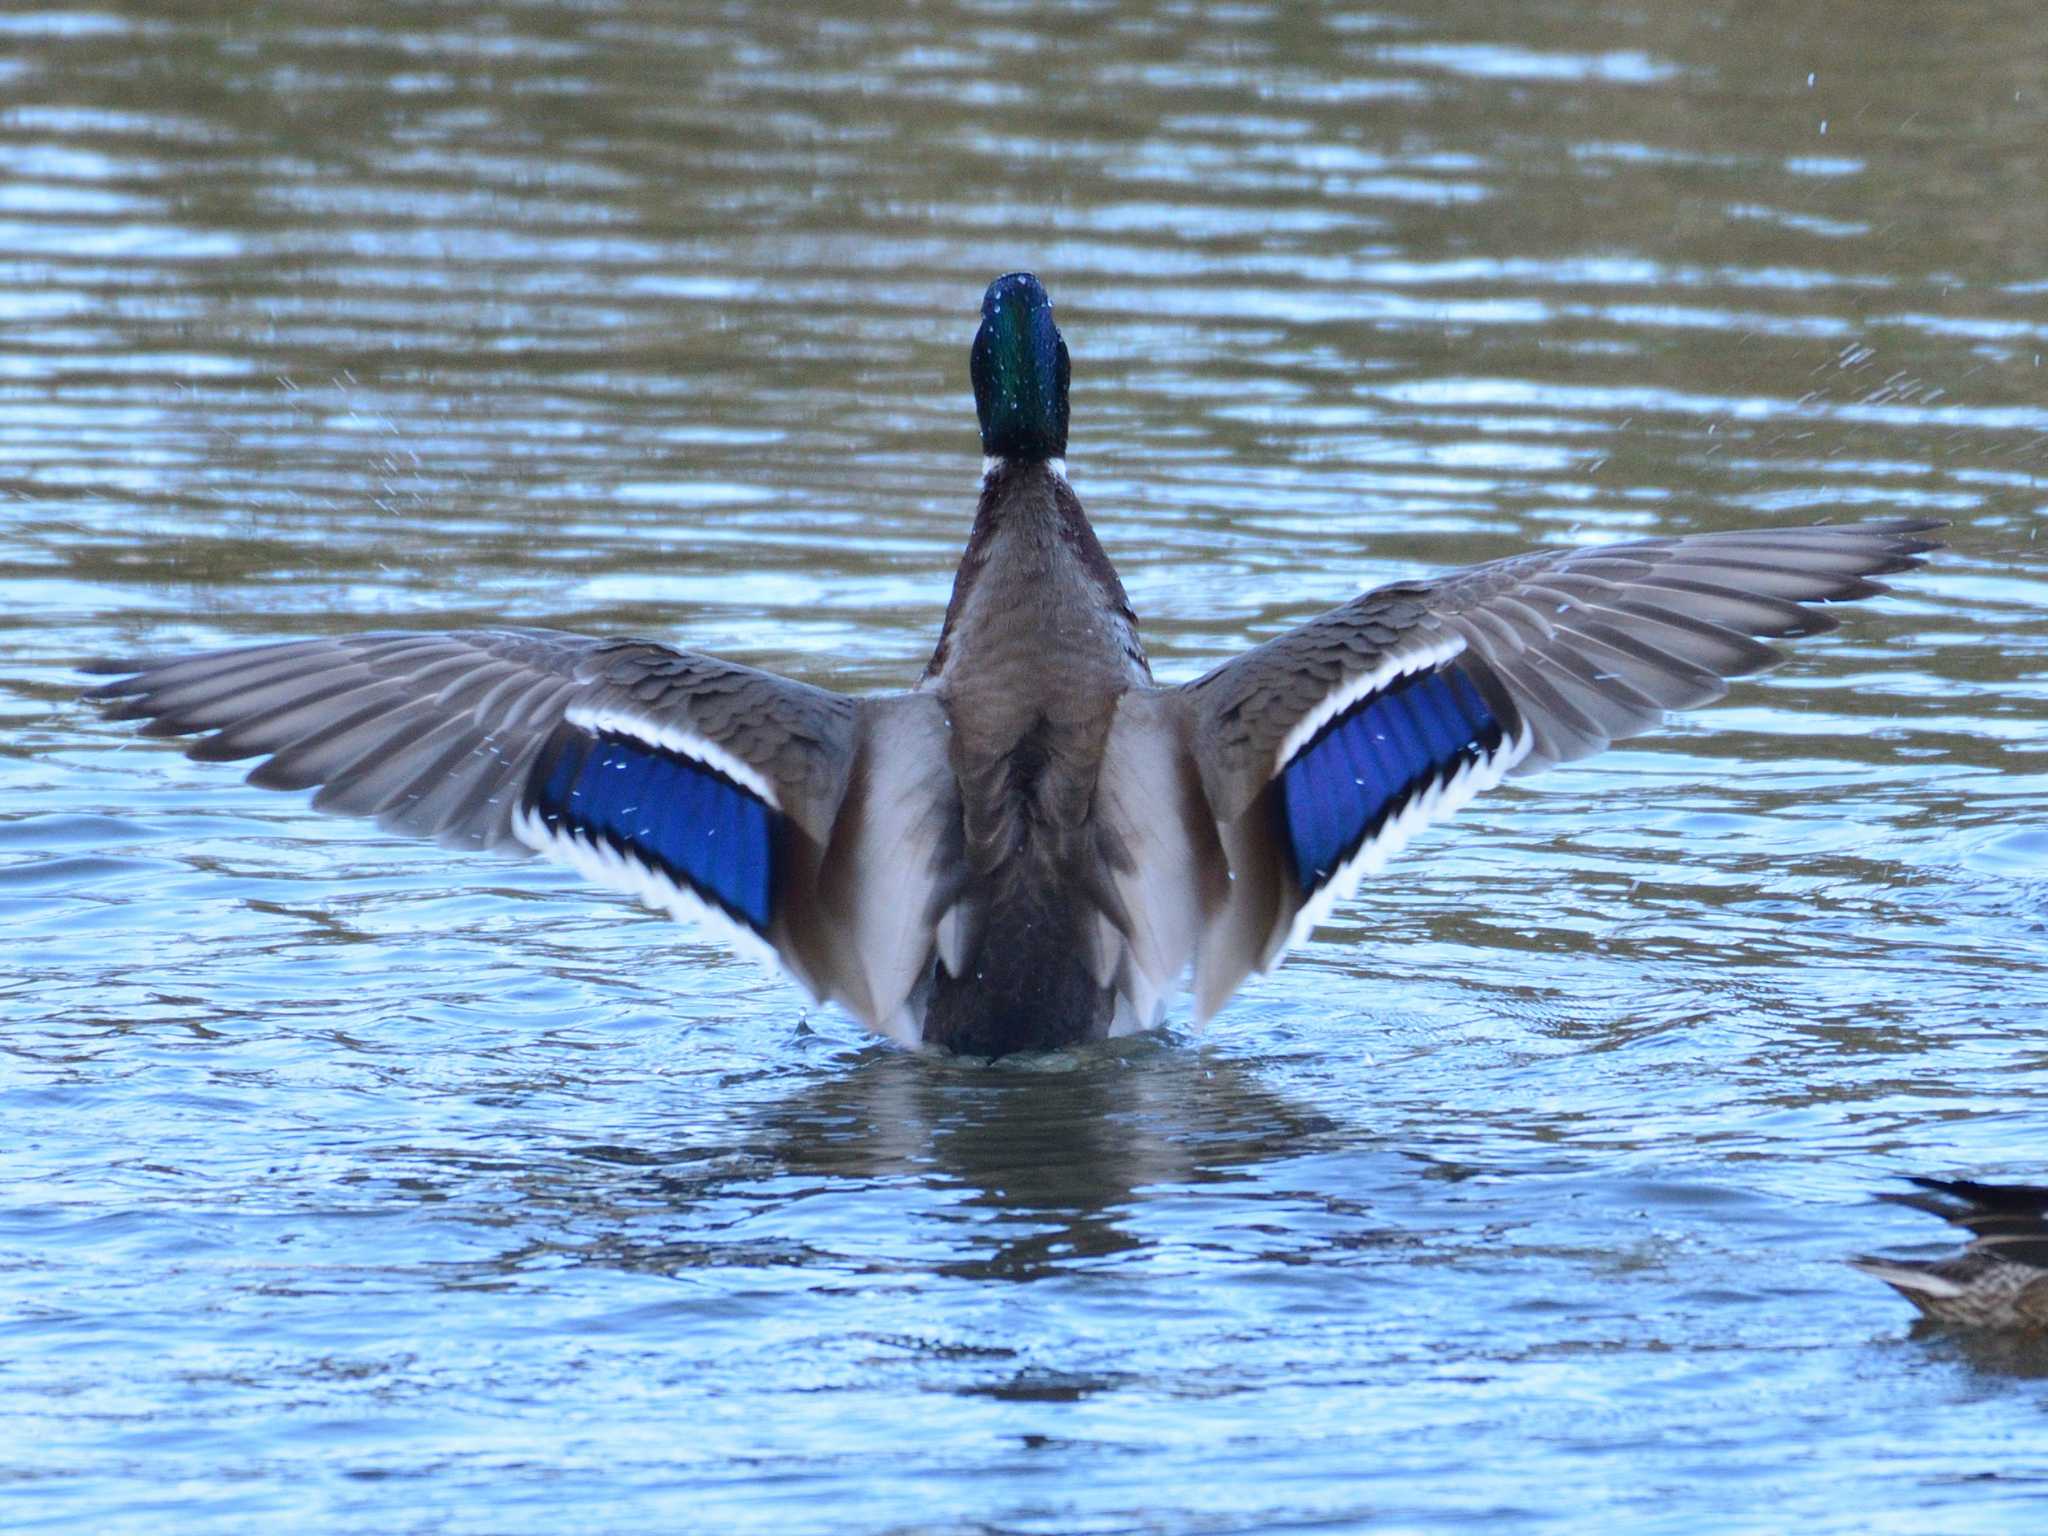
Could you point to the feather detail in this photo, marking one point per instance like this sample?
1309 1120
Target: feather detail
1324 750
2000 1279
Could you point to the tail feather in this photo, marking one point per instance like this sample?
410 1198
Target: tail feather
1909 1280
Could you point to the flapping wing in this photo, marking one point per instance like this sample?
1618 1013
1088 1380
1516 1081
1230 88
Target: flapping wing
708 789
1324 750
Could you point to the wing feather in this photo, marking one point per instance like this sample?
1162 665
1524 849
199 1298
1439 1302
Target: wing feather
1569 650
705 788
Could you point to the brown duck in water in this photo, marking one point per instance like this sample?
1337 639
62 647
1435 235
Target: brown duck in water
2001 1279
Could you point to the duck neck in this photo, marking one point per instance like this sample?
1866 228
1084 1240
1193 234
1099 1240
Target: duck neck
1035 583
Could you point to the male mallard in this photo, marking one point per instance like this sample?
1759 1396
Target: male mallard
2001 1279
1032 846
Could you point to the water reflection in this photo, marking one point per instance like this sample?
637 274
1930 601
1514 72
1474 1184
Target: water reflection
1019 1171
1993 1355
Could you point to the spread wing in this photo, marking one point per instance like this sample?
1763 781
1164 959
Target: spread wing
1324 750
708 789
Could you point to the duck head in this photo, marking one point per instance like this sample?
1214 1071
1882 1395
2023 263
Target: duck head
1020 372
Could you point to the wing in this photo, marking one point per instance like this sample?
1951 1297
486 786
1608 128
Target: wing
708 789
2008 1221
1324 750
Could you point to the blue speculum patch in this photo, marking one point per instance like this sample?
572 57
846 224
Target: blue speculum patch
677 815
1369 761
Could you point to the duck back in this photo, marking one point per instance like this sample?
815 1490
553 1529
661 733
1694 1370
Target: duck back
1039 646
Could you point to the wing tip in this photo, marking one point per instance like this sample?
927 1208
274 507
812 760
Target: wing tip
1905 550
124 676
1980 1196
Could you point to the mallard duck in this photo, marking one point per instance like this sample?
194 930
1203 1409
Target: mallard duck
1034 845
2000 1280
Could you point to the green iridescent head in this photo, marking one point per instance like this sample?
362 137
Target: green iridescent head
1020 372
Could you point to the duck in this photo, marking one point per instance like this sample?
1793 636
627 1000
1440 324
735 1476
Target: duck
2000 1279
1037 844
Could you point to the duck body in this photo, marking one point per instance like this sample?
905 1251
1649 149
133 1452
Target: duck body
2000 1279
1039 649
1036 844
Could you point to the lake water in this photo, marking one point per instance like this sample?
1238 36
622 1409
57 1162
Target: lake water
352 1186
